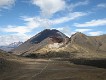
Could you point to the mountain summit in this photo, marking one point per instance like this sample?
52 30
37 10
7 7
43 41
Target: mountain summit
53 41
45 37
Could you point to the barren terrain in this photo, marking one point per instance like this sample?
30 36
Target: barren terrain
48 69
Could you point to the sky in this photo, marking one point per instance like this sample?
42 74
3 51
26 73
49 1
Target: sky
22 19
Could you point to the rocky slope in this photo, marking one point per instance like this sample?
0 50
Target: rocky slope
79 45
53 38
87 46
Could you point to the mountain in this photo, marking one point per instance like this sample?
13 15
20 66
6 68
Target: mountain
10 46
15 44
53 37
53 42
87 46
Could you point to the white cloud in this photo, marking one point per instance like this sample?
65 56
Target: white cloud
16 37
7 39
102 5
48 23
6 3
71 16
92 23
32 23
82 30
66 30
49 7
17 29
72 6
36 22
95 33
81 3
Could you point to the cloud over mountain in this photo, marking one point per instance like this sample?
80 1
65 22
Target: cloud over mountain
50 7
92 23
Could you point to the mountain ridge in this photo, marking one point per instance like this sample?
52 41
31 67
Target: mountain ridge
10 46
78 44
40 40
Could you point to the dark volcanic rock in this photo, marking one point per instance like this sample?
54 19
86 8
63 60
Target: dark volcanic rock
79 44
40 40
55 35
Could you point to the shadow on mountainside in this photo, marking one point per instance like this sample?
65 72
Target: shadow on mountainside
100 63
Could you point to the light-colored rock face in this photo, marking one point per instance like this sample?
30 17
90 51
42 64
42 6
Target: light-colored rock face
55 45
55 41
53 38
